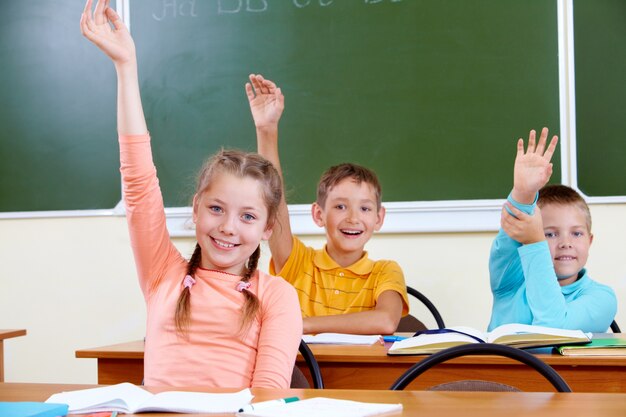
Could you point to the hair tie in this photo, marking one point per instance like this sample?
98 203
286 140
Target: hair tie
242 286
188 282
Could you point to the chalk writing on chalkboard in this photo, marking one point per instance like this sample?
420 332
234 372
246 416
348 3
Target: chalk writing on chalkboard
187 8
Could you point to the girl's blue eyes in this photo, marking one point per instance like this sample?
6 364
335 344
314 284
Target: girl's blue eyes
245 217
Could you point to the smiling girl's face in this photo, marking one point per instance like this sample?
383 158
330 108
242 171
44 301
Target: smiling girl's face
231 219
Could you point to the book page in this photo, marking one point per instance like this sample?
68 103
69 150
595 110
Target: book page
121 397
196 402
516 331
471 331
438 341
320 406
129 398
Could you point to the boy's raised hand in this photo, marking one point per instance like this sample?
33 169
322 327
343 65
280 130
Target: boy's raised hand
522 227
114 41
532 167
266 102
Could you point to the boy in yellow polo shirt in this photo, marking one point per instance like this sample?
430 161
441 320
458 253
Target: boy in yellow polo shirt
340 289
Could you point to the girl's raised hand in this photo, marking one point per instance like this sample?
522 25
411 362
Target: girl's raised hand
532 167
266 102
106 30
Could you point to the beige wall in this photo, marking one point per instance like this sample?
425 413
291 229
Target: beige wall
71 283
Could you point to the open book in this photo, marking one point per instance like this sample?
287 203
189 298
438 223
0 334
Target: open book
130 399
597 347
516 335
320 406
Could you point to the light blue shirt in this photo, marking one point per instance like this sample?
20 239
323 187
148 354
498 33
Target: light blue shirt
526 290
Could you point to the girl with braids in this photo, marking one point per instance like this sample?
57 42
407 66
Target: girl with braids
215 320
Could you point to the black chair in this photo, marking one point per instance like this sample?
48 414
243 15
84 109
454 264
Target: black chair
411 324
298 380
481 349
615 327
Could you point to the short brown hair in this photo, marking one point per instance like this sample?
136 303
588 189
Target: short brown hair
564 195
335 174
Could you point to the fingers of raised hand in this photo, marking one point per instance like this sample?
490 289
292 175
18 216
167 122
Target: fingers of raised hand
256 82
531 142
551 147
99 16
249 91
115 19
542 141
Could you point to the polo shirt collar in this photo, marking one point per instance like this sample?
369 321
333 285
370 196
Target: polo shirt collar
324 262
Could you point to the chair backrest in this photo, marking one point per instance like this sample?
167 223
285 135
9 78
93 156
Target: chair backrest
411 324
313 366
482 349
298 380
614 327
474 385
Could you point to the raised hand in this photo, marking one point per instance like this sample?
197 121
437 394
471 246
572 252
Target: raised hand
106 30
266 102
522 227
532 167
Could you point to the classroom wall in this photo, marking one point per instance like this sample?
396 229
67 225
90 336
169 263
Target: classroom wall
71 283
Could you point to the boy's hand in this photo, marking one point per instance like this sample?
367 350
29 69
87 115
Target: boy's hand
533 167
522 227
266 102
115 41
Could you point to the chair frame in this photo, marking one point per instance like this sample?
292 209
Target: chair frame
311 362
482 349
614 327
431 307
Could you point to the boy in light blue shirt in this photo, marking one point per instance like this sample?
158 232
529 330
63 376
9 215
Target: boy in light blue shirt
537 259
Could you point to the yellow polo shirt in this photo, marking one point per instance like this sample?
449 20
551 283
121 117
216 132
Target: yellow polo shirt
325 288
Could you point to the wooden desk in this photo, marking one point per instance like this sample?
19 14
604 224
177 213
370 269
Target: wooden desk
7 334
369 367
415 403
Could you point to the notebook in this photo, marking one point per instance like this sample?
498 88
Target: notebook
597 347
321 406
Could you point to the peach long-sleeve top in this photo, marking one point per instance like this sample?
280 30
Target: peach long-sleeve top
215 353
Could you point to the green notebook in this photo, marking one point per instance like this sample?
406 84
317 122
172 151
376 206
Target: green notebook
597 347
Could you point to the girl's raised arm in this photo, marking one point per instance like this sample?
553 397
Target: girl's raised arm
104 28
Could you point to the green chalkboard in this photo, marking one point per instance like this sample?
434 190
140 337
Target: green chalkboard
429 93
58 147
600 62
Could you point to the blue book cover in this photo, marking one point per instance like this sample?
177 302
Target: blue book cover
32 409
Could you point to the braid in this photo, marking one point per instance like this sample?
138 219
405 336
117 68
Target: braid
183 307
252 305
253 261
194 262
